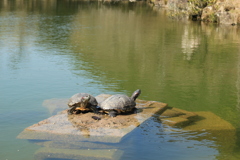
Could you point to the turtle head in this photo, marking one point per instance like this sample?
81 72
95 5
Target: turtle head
84 101
136 94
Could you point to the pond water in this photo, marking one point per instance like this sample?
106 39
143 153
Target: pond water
54 49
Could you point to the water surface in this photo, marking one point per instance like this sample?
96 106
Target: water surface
53 49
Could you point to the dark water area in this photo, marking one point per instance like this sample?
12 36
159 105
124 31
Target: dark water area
54 49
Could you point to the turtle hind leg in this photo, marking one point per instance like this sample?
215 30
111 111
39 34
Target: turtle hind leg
78 112
113 113
101 112
135 110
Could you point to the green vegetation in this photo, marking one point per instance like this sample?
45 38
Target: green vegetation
198 5
195 10
202 3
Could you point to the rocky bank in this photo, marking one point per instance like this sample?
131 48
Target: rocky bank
218 11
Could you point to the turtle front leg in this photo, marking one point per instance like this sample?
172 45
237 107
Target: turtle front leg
113 113
71 110
95 109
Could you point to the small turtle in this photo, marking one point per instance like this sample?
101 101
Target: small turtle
82 102
117 104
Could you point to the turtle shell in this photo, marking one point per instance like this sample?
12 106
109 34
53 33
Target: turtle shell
76 99
118 102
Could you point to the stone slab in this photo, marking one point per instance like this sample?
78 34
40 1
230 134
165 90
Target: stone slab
73 145
57 153
83 127
176 112
176 121
195 121
176 117
209 121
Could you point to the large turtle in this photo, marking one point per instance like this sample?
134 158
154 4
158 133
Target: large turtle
119 103
82 102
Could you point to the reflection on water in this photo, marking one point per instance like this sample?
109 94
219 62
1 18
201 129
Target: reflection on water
54 49
189 42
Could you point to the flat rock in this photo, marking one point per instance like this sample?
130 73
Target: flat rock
82 127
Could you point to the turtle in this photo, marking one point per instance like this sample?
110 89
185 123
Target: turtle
119 103
82 102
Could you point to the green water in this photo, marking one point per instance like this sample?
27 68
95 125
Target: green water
54 49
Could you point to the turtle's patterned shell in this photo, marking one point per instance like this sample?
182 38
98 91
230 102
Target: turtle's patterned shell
77 98
118 102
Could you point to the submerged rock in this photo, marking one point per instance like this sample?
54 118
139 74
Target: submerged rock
177 117
96 154
194 121
209 121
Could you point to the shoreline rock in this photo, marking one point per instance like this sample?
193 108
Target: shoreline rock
219 11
